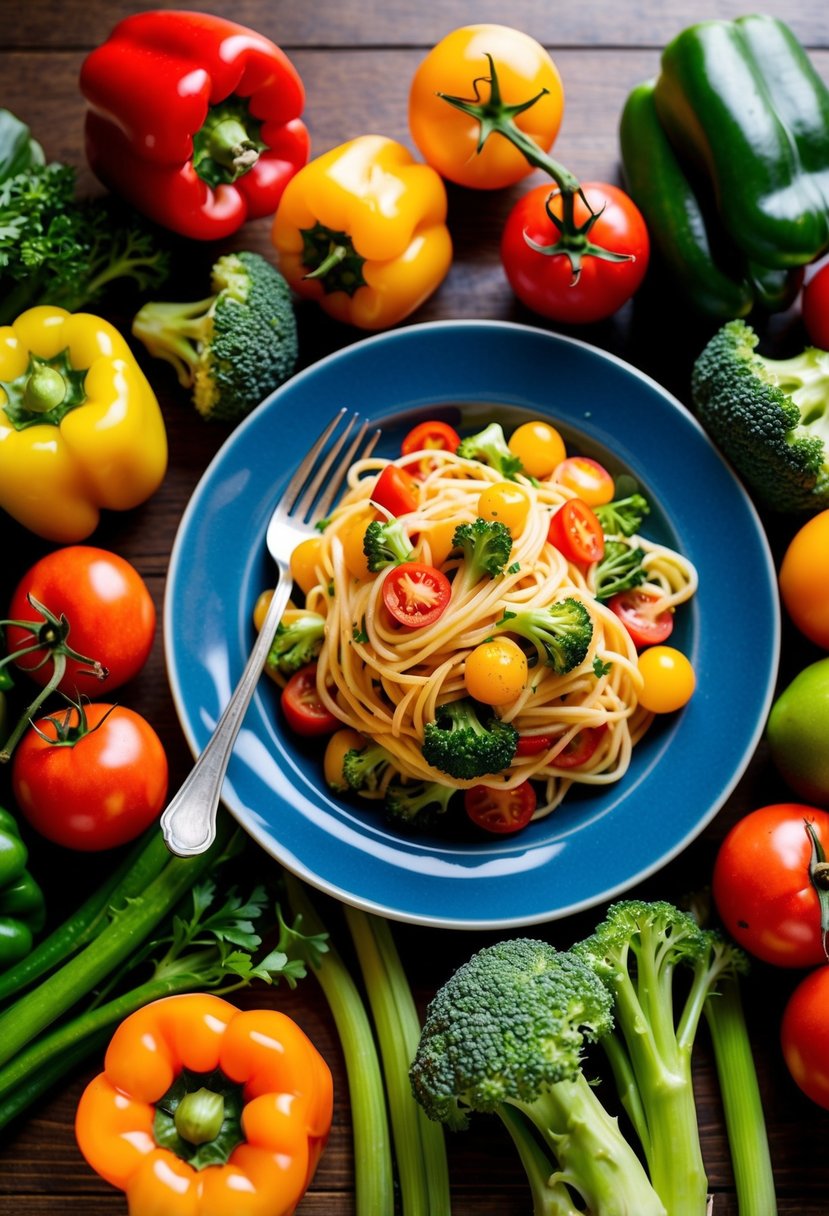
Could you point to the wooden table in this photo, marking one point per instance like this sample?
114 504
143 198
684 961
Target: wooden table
356 60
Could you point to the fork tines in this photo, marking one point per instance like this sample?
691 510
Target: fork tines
312 480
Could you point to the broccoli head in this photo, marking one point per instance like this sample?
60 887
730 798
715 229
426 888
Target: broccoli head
297 643
417 804
769 417
560 633
490 447
486 545
364 768
232 348
619 569
386 543
459 744
623 516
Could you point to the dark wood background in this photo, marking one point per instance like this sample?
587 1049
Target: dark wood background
357 60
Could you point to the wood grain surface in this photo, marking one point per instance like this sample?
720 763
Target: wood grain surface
356 60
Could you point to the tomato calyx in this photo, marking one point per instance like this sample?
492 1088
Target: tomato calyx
68 732
574 239
819 878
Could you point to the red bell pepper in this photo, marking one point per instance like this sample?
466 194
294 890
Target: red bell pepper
195 120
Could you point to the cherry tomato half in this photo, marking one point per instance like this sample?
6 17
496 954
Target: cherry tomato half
577 533
815 308
634 609
580 748
533 745
500 811
304 711
98 790
545 282
586 478
432 434
762 885
669 679
396 490
110 612
458 65
804 1036
416 594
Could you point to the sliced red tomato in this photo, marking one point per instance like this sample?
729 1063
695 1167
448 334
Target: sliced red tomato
500 811
577 533
580 748
635 609
431 434
416 594
304 711
396 491
533 745
587 478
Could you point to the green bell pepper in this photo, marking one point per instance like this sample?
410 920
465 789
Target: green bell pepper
22 906
742 103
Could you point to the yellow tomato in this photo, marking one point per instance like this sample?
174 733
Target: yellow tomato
538 446
588 479
352 537
260 608
458 65
669 679
304 561
804 580
506 502
439 538
341 741
495 673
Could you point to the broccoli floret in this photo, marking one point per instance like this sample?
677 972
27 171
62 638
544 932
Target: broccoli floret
637 952
505 1035
365 767
769 417
232 348
459 744
619 569
297 643
623 516
485 545
418 804
561 633
386 543
490 447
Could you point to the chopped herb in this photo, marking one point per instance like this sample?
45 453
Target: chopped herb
600 669
508 616
513 569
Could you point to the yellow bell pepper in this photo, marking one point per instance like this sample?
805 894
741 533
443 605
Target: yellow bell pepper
362 230
80 427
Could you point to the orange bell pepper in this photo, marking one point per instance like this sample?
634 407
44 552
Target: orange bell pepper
206 1110
362 230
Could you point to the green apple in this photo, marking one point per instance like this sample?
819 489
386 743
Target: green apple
798 733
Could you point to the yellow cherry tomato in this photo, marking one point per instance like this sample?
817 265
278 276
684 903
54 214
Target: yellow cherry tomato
260 608
341 741
506 502
495 673
538 446
305 559
588 479
458 65
669 679
804 580
353 537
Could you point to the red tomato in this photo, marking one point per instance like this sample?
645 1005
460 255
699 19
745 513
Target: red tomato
576 532
396 490
416 594
304 711
110 613
804 1035
634 609
432 434
546 283
100 788
586 478
580 748
533 745
816 308
762 885
500 811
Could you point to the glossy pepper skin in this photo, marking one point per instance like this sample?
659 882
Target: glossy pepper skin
742 101
362 230
251 1154
22 906
194 119
80 427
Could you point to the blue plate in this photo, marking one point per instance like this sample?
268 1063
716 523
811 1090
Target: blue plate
596 844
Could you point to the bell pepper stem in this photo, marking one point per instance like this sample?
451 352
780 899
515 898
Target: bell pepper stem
45 389
229 145
335 256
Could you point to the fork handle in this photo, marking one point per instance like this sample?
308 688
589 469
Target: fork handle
189 822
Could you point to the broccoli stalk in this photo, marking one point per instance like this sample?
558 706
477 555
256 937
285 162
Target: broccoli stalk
460 744
769 417
386 543
619 569
365 767
485 545
623 516
489 446
417 804
232 348
297 643
505 1035
635 952
561 633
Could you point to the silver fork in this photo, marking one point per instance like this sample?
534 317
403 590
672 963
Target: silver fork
189 822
